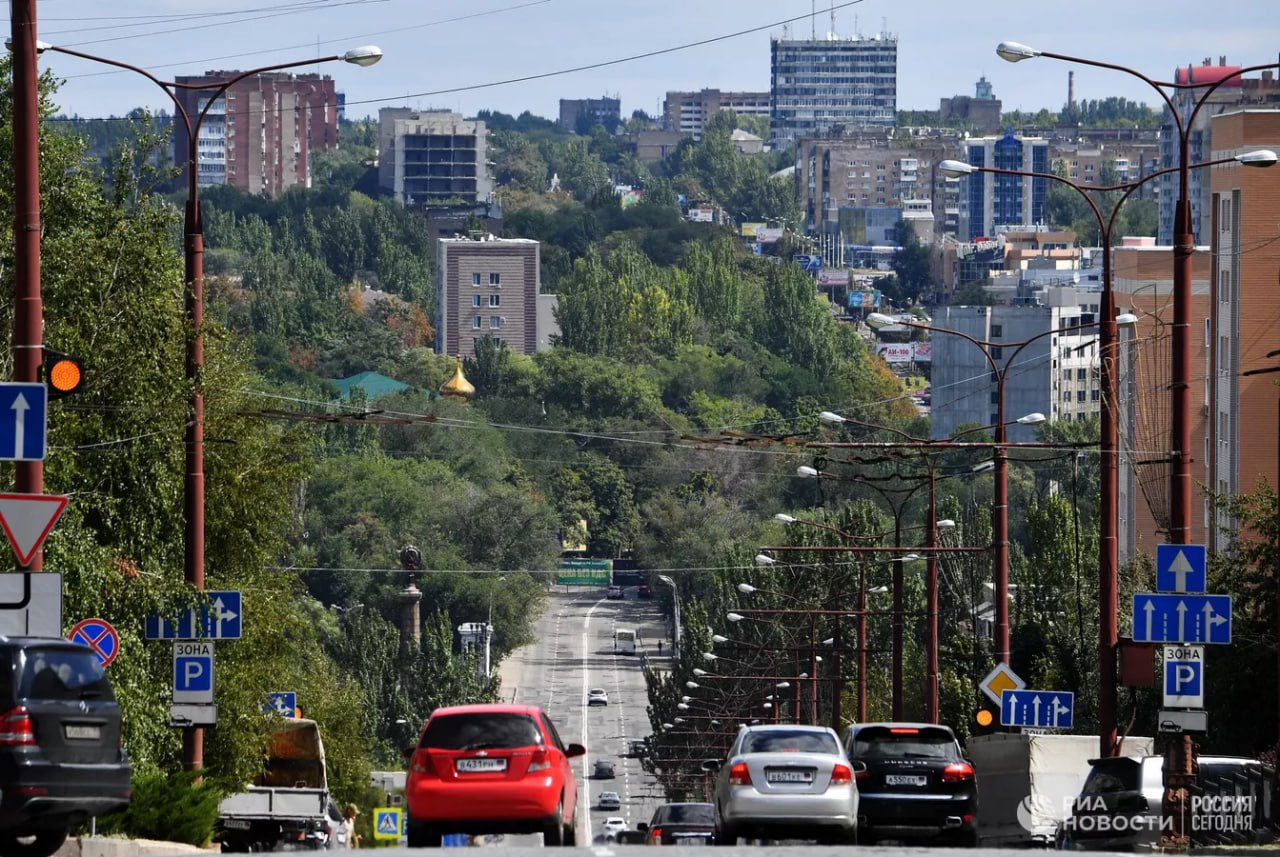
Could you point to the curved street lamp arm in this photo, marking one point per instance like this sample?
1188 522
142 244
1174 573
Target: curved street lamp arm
1154 84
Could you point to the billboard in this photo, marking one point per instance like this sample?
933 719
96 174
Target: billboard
867 299
701 215
906 352
750 230
769 234
584 572
812 263
837 277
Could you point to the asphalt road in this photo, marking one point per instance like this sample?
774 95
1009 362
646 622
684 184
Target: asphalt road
573 653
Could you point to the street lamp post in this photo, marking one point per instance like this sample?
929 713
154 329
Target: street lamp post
193 304
675 616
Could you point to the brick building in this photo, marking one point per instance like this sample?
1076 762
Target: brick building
488 286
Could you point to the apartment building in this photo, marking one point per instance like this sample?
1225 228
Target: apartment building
1055 374
818 85
260 134
990 201
487 286
689 112
1234 93
432 157
1243 325
581 114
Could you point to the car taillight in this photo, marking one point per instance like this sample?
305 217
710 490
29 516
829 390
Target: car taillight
841 775
739 775
540 762
957 772
15 728
655 836
422 765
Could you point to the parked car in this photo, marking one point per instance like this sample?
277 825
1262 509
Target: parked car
614 824
643 591
61 762
636 748
604 769
785 782
913 784
334 832
597 696
613 593
609 800
681 824
494 768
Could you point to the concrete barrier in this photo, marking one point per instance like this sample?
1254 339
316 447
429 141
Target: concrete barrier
111 846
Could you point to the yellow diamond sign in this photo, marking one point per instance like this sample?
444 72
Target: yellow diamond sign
999 680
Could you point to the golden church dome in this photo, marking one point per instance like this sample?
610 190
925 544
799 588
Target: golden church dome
458 387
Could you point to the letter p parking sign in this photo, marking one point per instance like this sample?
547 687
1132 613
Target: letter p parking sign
1184 676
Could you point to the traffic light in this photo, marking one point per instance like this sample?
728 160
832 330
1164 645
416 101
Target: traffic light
62 373
984 721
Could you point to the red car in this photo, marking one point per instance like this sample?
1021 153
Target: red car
491 769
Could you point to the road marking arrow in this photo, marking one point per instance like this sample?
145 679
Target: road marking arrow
1180 568
1182 620
19 408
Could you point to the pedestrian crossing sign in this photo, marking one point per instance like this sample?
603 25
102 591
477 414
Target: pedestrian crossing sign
386 823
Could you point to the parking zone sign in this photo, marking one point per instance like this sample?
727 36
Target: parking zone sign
1184 676
193 672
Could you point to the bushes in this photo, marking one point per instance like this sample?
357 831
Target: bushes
171 807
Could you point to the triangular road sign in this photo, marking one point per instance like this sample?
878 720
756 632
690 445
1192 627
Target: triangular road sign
27 519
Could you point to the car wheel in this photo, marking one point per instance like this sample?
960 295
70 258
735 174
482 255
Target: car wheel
420 836
571 833
41 844
553 833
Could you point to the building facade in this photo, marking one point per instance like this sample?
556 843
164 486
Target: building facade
817 85
981 111
581 114
432 158
1056 374
260 134
486 286
689 112
989 201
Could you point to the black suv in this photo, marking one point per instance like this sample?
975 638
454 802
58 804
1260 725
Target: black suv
913 784
61 762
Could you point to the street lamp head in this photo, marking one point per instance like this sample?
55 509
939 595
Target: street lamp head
807 472
662 578
1032 419
955 169
1127 319
783 685
879 319
831 417
768 705
829 641
686 699
363 56
946 524
765 559
803 675
719 638
715 722
1015 51
747 588
683 706
911 557
734 617
1258 158
678 720
692 685
983 465
699 672
708 656
786 519
668 726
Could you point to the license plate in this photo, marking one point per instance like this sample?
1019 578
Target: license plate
82 732
692 840
235 824
905 780
789 776
481 765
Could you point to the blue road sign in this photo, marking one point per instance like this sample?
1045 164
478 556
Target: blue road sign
193 672
386 823
1180 568
221 619
99 635
1047 709
455 840
1177 618
23 417
1184 676
282 702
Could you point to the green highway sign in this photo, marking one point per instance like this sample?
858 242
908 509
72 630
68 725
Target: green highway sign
585 572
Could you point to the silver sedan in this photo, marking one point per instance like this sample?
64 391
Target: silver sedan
784 781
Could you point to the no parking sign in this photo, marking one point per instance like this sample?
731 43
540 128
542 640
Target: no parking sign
99 635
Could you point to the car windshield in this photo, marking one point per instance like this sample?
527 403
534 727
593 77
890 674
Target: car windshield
597 691
789 741
903 743
1108 776
58 673
687 813
481 731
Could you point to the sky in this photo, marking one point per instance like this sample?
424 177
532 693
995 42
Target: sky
457 56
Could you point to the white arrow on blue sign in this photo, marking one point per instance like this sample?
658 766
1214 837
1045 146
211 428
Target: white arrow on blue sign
193 671
1046 709
221 619
1163 617
1180 568
23 417
282 702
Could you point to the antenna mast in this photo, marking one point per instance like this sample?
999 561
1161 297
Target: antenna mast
813 20
833 19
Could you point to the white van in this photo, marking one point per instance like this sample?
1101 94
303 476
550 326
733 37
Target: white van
624 641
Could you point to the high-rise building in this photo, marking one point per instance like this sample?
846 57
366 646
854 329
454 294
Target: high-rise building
488 286
819 84
989 201
689 112
260 134
588 112
432 157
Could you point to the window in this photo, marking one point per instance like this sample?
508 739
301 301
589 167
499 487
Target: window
495 300
1095 394
475 300
1079 395
997 352
475 322
495 279
995 397
1224 354
1080 374
997 331
495 322
475 279
1066 395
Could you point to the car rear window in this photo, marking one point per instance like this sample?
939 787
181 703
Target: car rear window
57 673
782 741
881 742
687 813
1108 776
475 731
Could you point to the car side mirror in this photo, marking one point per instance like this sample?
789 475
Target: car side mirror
642 826
711 765
575 750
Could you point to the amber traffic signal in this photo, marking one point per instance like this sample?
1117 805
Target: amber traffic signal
63 373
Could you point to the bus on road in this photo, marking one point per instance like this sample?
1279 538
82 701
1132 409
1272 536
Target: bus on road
624 641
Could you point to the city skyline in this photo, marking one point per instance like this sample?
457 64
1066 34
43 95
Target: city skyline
431 53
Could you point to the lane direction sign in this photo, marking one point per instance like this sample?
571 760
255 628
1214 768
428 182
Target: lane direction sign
999 680
27 520
282 702
1046 709
31 604
1180 568
193 672
24 409
1183 676
1165 617
99 635
222 618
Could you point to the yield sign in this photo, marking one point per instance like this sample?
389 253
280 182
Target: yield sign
27 519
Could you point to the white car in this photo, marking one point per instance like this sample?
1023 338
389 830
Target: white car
597 696
615 824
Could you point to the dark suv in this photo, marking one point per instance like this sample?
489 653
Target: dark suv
913 784
61 762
